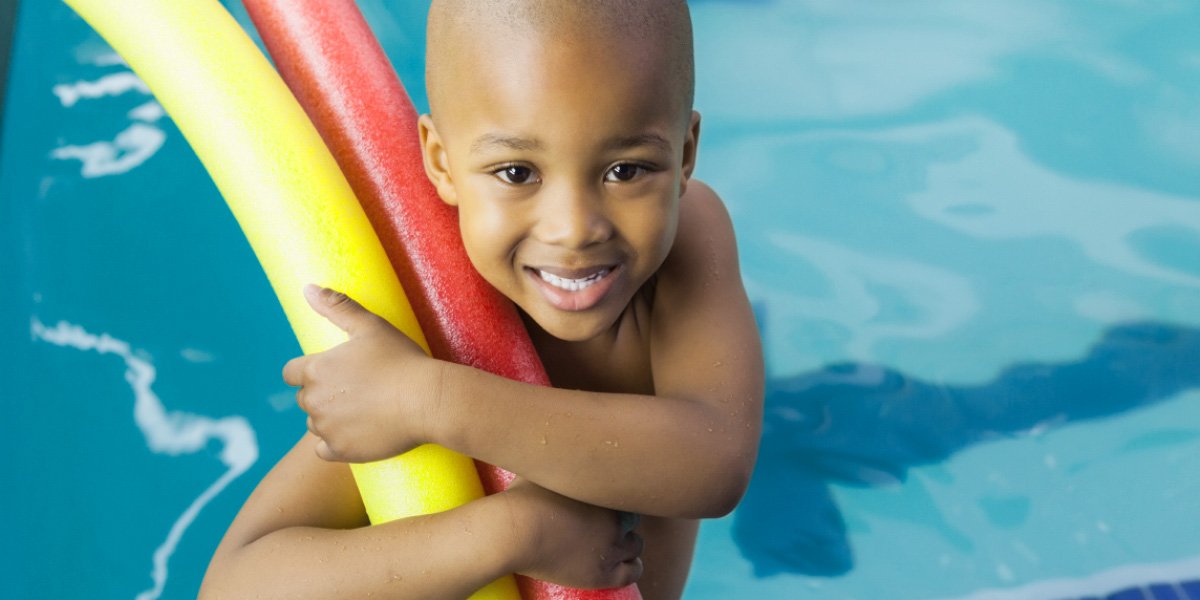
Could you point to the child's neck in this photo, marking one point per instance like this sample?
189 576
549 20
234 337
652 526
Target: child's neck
617 360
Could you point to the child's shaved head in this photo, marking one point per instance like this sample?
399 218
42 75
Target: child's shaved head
456 27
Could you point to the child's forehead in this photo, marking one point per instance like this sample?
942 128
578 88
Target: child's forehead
532 90
465 35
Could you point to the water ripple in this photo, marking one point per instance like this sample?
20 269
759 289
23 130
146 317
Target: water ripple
1102 218
170 433
132 146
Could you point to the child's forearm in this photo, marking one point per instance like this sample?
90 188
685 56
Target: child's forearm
647 454
445 555
303 534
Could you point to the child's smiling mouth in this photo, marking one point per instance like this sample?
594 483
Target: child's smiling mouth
574 289
573 285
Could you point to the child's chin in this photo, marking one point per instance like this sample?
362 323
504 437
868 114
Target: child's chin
574 327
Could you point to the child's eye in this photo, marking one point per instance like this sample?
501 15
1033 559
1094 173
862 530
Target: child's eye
516 175
624 172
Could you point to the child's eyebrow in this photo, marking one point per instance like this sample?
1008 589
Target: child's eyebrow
510 142
506 141
643 139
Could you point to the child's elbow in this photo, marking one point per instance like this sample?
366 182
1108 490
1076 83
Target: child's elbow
729 478
735 486
224 578
214 585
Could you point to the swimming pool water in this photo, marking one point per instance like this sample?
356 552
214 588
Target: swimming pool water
970 231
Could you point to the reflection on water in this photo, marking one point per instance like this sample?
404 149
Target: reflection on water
170 433
949 231
866 425
108 85
855 58
941 207
130 147
1102 218
874 298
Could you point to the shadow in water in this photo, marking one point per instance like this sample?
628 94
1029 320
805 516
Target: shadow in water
865 425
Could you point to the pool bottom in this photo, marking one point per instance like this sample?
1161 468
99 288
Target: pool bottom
1176 580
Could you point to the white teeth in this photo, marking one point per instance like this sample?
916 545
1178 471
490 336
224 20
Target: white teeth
572 285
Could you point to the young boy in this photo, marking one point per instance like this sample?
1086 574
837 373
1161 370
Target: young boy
564 133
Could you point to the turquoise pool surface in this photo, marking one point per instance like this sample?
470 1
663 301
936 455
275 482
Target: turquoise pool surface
971 231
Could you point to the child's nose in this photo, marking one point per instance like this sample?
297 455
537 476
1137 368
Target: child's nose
573 218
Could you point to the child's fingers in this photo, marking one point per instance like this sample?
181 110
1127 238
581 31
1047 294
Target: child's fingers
293 372
631 547
627 573
340 309
628 568
629 520
623 562
324 452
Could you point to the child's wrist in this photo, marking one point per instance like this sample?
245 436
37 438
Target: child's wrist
432 376
518 532
438 418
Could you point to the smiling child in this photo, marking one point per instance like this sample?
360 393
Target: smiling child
565 135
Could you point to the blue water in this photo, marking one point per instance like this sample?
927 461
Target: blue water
971 231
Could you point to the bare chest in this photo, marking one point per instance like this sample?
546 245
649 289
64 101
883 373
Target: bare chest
616 362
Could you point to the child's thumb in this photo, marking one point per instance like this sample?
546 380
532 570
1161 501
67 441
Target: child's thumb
340 309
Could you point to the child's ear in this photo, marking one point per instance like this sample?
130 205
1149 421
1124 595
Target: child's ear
690 143
437 167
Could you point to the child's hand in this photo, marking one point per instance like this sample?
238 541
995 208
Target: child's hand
366 399
570 543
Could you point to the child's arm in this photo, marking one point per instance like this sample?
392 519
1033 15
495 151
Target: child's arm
687 451
302 534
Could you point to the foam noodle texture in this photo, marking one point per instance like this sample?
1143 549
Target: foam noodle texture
328 55
287 193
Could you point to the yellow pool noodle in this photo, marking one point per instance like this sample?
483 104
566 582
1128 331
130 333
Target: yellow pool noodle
292 203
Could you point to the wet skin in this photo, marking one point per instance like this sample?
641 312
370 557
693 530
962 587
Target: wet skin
568 173
568 154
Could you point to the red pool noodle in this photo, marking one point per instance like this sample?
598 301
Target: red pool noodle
333 63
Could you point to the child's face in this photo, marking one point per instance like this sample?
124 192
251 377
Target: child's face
567 159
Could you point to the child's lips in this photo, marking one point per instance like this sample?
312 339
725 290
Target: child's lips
576 273
574 289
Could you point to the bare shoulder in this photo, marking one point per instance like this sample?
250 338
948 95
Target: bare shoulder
698 189
701 210
700 296
705 346
705 249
